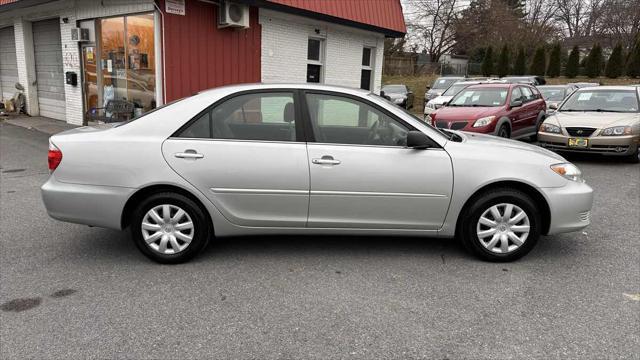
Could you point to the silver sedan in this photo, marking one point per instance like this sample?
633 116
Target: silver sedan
307 159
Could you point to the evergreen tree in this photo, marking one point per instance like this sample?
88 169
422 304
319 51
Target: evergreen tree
615 64
503 62
555 65
520 67
539 62
487 63
593 64
633 66
573 63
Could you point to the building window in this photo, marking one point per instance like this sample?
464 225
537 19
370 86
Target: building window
366 78
315 60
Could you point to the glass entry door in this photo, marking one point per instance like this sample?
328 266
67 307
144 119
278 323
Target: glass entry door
125 61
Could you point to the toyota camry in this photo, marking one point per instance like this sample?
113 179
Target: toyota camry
307 159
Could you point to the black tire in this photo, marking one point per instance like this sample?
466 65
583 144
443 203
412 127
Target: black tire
503 132
202 228
470 217
633 159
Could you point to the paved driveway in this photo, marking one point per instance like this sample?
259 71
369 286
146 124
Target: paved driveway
73 291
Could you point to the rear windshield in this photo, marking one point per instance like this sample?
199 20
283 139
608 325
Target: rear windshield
554 94
602 100
443 83
480 97
394 89
454 89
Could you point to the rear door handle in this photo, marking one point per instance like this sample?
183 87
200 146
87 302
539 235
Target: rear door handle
189 154
326 160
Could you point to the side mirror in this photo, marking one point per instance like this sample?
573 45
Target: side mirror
516 103
553 106
419 140
384 96
427 88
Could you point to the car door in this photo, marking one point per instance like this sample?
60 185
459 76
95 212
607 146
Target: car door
362 175
517 114
247 155
531 108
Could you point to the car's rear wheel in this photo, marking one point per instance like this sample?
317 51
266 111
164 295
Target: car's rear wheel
169 228
501 225
503 131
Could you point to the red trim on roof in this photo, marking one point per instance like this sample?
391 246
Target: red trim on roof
384 14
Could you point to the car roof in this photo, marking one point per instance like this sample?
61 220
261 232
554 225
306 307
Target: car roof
557 85
609 87
303 86
494 85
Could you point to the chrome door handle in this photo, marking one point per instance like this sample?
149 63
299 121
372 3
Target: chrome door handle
189 155
326 160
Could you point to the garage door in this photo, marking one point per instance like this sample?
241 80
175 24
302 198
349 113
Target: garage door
8 63
47 48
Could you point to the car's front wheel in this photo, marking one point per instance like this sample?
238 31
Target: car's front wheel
169 228
501 225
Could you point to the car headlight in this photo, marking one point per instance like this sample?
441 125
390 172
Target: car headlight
431 105
398 100
616 131
484 121
550 128
568 171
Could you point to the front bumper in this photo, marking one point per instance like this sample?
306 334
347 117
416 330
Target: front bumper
605 145
85 204
570 207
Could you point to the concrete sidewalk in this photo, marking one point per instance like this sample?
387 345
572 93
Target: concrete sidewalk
38 123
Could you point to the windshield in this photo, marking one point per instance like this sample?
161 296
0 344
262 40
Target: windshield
602 100
553 94
443 83
393 89
480 97
454 89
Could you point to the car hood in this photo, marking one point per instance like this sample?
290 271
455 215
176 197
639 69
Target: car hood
441 100
455 112
396 95
593 119
484 141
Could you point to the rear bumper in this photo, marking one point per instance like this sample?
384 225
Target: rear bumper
605 145
570 207
85 204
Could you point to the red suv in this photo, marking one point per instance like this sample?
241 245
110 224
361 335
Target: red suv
506 110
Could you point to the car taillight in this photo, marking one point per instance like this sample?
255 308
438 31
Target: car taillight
54 157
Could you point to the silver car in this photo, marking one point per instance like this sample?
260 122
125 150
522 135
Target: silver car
307 159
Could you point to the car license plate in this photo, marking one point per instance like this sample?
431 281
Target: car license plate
578 142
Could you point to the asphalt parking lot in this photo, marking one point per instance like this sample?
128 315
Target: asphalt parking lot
72 291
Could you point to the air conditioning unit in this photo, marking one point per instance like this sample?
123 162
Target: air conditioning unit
79 34
232 14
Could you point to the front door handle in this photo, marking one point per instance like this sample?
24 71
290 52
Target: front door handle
326 160
189 154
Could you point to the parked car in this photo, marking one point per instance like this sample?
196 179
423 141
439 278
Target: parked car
439 86
434 104
584 84
526 79
399 95
554 94
505 110
258 159
601 120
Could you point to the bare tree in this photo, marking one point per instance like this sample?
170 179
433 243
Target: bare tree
540 21
432 25
578 17
619 21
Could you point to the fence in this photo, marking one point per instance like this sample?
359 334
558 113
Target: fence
409 66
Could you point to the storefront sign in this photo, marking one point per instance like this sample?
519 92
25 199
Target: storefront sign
174 7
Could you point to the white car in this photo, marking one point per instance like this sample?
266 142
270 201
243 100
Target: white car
298 159
434 104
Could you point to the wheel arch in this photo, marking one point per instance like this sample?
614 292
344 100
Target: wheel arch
538 198
149 190
503 121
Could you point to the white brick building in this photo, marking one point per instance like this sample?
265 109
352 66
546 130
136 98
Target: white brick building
148 52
